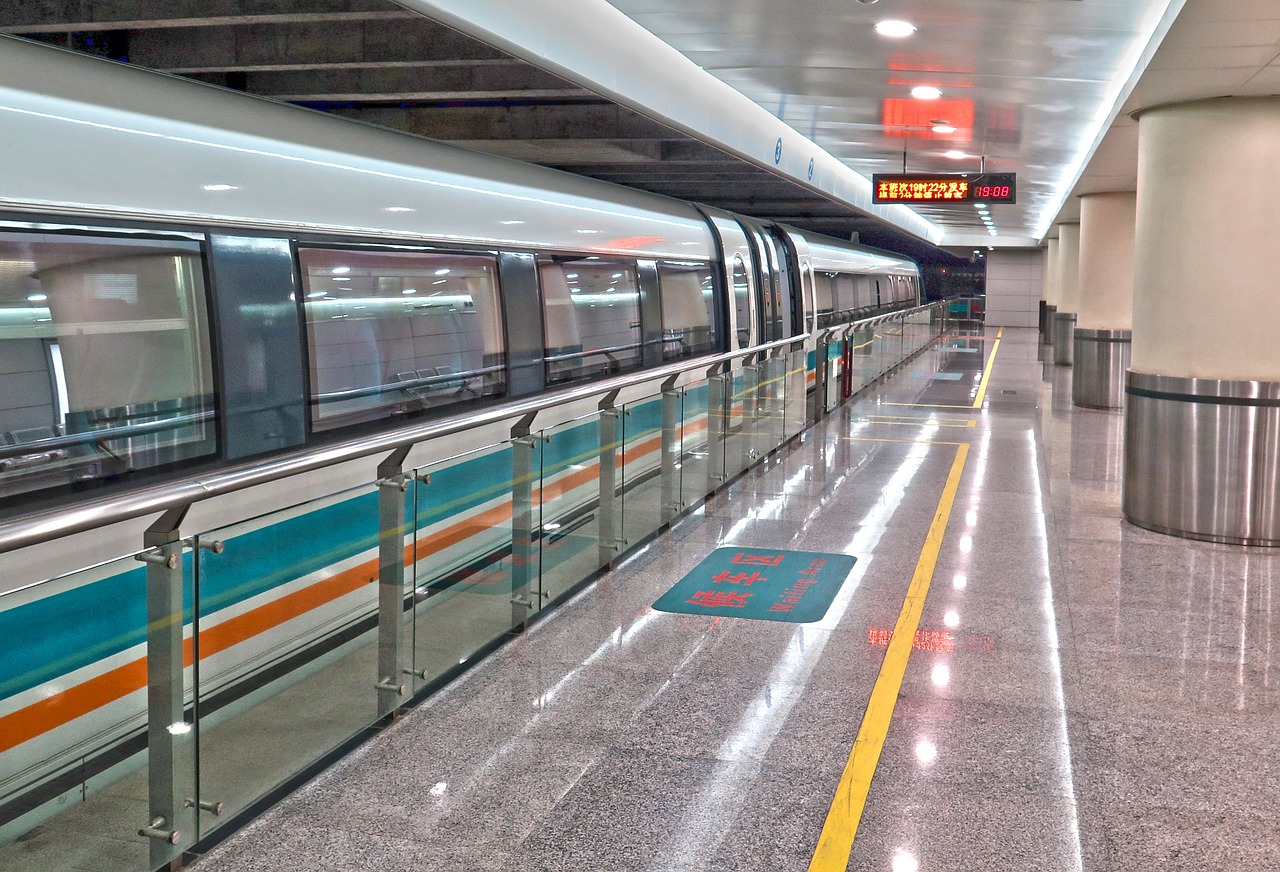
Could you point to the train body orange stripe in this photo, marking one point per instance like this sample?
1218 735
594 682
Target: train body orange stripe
54 711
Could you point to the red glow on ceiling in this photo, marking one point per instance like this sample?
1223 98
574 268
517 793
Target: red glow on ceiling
909 63
908 117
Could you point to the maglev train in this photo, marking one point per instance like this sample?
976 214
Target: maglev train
194 280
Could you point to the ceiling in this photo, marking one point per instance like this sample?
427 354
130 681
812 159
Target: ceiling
1030 86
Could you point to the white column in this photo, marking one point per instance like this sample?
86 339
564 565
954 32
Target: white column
1068 281
1203 407
1104 317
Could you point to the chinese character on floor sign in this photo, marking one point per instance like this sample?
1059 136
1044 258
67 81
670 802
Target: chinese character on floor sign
727 577
757 559
719 599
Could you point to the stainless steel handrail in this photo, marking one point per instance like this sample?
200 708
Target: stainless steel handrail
66 520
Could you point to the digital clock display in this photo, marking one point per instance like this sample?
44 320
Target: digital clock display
944 189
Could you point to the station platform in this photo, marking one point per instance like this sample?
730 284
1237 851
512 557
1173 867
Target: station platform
1009 677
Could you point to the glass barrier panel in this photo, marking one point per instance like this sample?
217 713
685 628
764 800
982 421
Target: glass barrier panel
694 462
740 420
575 536
640 481
863 340
288 642
771 402
77 763
464 570
797 403
835 372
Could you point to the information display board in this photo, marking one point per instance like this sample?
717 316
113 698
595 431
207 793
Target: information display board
944 188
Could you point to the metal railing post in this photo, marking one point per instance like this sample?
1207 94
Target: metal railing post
524 522
717 427
392 486
671 449
170 737
610 533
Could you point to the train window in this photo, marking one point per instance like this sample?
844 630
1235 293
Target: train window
742 301
689 311
399 332
592 316
104 358
823 297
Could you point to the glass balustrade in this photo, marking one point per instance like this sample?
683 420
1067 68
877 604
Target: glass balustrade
96 736
576 510
287 641
464 572
262 647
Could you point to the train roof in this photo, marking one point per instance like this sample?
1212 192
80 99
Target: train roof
827 254
85 136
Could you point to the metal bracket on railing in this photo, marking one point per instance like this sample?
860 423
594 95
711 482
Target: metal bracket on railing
530 440
158 558
422 477
217 546
399 482
389 685
157 830
214 808
416 673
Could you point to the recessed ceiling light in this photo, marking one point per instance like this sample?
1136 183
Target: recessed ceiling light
943 128
894 28
925 92
442 272
979 205
510 222
37 298
409 291
221 187
341 270
956 154
397 209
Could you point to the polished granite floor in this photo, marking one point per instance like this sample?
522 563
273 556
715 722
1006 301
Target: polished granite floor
1083 695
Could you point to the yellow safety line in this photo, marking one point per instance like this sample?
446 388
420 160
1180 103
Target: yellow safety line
836 842
927 405
986 373
921 422
957 419
907 441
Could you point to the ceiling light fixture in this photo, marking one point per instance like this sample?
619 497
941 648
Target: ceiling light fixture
956 154
925 92
895 29
943 128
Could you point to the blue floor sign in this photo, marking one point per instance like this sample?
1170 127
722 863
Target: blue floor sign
767 584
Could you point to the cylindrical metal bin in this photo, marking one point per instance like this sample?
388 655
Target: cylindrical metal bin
1202 458
1064 324
1100 359
1046 329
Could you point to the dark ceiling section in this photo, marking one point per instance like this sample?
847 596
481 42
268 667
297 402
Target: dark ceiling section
374 61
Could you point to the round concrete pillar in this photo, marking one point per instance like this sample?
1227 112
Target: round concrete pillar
1068 281
1104 318
1050 287
1202 455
